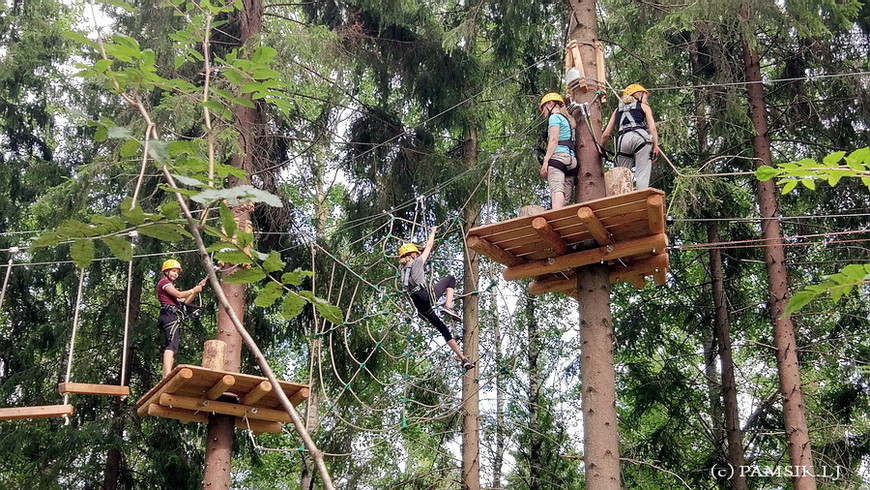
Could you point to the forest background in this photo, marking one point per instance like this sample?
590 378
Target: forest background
372 121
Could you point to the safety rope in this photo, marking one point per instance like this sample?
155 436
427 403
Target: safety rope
133 235
72 342
12 252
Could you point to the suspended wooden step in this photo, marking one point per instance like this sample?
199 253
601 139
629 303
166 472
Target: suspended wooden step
627 231
93 389
190 393
41 412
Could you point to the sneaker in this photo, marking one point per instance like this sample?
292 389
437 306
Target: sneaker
452 314
466 364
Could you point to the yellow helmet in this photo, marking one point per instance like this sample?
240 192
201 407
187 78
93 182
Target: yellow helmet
633 89
170 264
551 96
407 249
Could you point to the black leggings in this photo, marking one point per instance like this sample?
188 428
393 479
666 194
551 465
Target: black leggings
426 310
171 327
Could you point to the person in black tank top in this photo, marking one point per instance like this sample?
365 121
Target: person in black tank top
637 143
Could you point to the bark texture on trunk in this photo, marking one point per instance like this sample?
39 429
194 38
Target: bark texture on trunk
733 434
248 123
601 439
471 341
799 450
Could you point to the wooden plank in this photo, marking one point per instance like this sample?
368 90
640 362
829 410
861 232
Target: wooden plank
93 389
254 395
186 416
636 280
236 410
545 231
220 387
587 216
484 247
655 208
577 259
40 412
176 379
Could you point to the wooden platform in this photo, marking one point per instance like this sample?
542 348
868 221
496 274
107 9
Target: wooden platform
190 393
627 231
40 412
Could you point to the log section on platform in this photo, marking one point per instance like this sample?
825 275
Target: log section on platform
627 231
191 390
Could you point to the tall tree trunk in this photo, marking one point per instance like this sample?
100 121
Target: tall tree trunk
723 338
600 437
248 122
799 450
534 373
498 458
115 458
471 340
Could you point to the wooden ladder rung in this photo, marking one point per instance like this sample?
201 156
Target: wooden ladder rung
40 412
92 389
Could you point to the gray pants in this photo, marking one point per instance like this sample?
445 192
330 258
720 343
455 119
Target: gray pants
634 149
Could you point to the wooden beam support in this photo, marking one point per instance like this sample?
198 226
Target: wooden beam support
40 412
186 416
92 389
203 405
174 383
596 229
300 395
258 392
500 255
578 259
220 387
655 209
545 231
633 274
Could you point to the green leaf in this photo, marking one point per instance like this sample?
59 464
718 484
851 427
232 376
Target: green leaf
190 181
47 239
296 277
228 221
233 256
170 209
234 76
268 295
135 215
245 276
799 300
130 148
833 158
238 195
243 101
766 172
102 65
264 73
274 263
789 186
120 247
809 184
164 232
82 252
292 305
264 55
158 150
118 132
329 311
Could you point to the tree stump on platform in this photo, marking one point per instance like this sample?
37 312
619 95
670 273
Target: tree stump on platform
618 181
531 210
